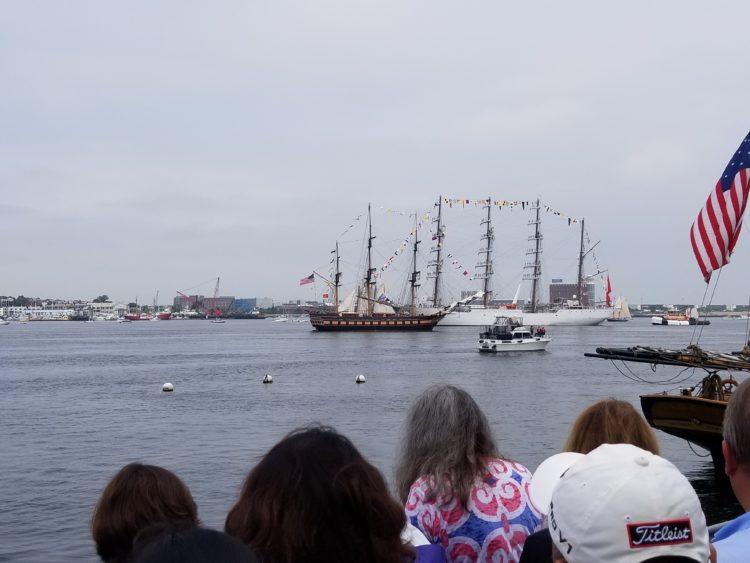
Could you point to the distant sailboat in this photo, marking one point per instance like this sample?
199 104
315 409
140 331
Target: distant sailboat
217 319
621 312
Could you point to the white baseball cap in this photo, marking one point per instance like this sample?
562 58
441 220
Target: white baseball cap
621 503
547 476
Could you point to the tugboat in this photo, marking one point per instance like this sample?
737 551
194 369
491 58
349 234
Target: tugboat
689 318
363 311
509 335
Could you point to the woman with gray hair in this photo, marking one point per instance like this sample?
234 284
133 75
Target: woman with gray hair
457 488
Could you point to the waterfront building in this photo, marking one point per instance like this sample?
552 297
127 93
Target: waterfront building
244 305
562 292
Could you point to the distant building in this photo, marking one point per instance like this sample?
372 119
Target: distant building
263 302
244 305
102 309
562 292
203 304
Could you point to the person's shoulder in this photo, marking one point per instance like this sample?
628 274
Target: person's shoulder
498 466
735 544
537 548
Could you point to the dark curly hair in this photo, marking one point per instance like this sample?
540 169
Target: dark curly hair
314 498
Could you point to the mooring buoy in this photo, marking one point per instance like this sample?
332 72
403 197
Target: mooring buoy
167 388
268 378
360 378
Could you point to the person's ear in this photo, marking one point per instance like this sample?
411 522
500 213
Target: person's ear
730 461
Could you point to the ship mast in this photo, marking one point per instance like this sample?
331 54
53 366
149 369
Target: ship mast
336 281
414 272
581 256
486 263
536 265
438 250
369 276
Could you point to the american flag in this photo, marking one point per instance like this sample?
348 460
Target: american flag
714 233
308 279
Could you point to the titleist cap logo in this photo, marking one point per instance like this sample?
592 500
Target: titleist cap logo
665 532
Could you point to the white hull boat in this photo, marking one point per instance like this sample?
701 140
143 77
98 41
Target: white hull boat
562 317
3 322
522 345
499 338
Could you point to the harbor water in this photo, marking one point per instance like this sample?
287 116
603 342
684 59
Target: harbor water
79 400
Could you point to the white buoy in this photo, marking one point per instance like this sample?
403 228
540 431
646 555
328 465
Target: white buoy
167 387
268 378
360 378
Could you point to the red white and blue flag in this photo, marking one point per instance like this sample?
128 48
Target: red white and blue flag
308 279
714 233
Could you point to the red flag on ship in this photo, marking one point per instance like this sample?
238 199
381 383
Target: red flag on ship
609 293
325 296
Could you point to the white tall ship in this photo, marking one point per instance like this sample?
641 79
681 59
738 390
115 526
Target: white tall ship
483 313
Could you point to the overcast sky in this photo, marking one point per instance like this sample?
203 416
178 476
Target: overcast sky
155 145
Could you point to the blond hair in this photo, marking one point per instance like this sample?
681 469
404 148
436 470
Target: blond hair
610 421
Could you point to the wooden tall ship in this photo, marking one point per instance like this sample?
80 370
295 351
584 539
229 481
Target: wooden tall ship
696 414
362 310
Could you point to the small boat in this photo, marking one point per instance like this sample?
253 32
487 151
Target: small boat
506 335
124 320
621 313
218 321
689 318
281 319
697 412
3 322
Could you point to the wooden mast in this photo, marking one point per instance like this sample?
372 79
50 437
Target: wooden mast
438 249
536 266
581 255
414 272
487 252
369 277
336 281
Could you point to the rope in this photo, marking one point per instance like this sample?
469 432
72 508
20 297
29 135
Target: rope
695 327
638 379
696 453
718 277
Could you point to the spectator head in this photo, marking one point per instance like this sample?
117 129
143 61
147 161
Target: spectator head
736 446
314 498
622 503
610 421
447 435
137 497
175 544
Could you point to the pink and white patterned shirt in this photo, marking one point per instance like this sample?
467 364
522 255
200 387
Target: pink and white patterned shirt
494 525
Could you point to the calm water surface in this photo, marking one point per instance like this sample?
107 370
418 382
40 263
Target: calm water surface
79 400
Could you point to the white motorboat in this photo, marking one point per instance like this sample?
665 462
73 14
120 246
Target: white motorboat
218 321
124 320
3 322
506 335
281 319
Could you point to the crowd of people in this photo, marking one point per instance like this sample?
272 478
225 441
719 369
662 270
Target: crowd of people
313 497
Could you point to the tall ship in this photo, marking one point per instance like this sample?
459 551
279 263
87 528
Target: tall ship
483 313
364 310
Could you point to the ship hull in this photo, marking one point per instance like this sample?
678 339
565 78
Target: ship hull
354 323
563 317
694 419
